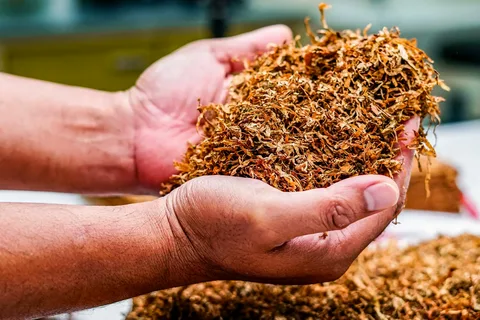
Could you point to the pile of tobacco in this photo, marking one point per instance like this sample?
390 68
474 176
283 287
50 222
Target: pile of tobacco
438 279
445 193
303 117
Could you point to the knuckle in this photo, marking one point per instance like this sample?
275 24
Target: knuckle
340 213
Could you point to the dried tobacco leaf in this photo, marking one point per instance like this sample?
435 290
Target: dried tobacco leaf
306 117
438 279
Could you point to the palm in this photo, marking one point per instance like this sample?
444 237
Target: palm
166 96
166 119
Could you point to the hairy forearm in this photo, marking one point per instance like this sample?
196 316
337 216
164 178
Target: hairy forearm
61 138
56 259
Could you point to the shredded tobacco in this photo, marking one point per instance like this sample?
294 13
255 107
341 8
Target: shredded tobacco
303 117
438 279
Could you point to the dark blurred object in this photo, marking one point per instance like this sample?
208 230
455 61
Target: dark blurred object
116 3
459 54
218 18
459 101
219 14
110 3
466 52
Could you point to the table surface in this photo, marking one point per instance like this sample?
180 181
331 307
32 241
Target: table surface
458 144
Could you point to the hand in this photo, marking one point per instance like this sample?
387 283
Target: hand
243 229
165 98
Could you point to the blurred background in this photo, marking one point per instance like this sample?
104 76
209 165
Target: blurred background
106 44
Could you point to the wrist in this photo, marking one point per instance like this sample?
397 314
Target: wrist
175 250
106 124
120 127
113 169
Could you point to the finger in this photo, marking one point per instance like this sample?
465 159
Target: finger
406 156
248 45
294 214
359 235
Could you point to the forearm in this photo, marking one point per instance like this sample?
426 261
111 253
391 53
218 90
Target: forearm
56 259
62 138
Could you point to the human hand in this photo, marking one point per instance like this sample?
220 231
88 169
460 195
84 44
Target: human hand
243 229
165 99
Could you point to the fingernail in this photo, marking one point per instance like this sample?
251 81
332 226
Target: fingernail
381 196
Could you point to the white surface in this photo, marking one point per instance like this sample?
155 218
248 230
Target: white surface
116 311
458 144
417 226
40 197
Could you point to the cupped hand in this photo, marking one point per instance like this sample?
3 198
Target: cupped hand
165 98
243 229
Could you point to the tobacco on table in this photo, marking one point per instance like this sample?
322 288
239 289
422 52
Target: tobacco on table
437 279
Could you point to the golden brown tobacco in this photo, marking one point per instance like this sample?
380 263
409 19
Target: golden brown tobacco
445 193
305 117
438 279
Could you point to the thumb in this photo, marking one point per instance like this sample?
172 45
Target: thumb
248 45
296 214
